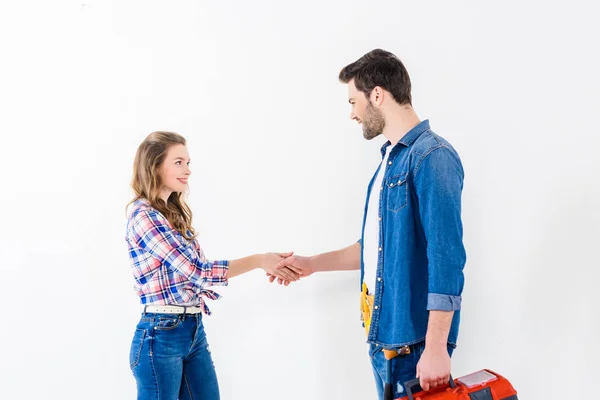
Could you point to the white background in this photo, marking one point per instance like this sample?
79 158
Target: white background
278 165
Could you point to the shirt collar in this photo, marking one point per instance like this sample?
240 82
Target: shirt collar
410 136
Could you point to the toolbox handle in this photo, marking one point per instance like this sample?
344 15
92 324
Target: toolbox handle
415 382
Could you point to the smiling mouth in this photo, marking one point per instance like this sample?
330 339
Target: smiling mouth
184 181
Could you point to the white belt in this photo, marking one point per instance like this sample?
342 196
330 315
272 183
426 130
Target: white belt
166 309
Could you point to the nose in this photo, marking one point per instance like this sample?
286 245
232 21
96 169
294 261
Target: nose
353 116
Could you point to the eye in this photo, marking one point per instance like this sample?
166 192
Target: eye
177 162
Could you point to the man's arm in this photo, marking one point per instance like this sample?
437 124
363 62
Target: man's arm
433 368
438 184
438 329
346 259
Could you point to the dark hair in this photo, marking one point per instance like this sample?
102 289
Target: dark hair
379 68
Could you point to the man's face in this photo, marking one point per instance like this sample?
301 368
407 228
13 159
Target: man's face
365 113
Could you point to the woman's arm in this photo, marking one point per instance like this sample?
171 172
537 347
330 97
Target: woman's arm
266 261
152 232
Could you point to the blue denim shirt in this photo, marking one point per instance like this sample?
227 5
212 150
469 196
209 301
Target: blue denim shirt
421 253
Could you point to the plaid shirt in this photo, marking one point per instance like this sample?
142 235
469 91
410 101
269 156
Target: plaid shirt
168 268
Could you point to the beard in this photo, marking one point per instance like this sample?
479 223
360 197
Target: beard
373 123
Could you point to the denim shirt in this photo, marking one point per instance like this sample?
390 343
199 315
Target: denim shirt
421 252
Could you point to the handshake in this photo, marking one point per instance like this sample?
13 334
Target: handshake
286 267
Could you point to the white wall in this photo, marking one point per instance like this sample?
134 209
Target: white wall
279 166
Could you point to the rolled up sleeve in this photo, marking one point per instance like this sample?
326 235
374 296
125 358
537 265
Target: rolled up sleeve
438 184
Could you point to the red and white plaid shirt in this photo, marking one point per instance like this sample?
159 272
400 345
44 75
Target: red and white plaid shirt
168 268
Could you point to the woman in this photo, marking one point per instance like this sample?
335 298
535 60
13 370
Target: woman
169 354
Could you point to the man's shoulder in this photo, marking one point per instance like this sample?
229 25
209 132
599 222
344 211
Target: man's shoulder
429 141
430 144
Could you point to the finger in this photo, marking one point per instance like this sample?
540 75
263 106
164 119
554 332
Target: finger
280 281
285 262
286 283
290 276
295 269
281 274
424 383
287 274
295 276
272 278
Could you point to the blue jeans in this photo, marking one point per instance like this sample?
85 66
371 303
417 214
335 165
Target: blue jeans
404 368
170 359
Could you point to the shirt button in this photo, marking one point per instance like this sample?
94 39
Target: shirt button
380 249
376 307
390 163
382 188
380 218
378 279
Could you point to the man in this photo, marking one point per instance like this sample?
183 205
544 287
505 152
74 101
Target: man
411 253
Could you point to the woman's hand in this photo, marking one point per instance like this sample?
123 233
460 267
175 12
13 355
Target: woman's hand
269 262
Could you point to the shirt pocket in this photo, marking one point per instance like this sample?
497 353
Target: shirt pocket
397 192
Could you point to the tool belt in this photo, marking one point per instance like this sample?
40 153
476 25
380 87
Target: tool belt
366 307
480 385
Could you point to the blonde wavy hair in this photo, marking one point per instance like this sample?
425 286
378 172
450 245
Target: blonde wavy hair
147 181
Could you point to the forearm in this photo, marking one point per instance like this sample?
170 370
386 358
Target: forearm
438 329
346 259
242 265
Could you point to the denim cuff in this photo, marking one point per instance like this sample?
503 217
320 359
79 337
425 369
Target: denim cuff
443 302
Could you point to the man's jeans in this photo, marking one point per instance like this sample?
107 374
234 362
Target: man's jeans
404 368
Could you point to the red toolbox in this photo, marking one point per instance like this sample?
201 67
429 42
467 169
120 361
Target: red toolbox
480 385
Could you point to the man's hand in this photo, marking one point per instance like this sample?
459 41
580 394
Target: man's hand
297 264
270 264
433 368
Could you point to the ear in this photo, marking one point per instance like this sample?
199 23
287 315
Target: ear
377 95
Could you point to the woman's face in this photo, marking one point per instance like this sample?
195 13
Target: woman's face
175 170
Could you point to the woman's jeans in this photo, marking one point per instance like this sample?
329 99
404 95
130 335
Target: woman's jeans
170 358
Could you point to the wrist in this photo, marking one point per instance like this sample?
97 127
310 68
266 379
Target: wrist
435 345
258 261
313 264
